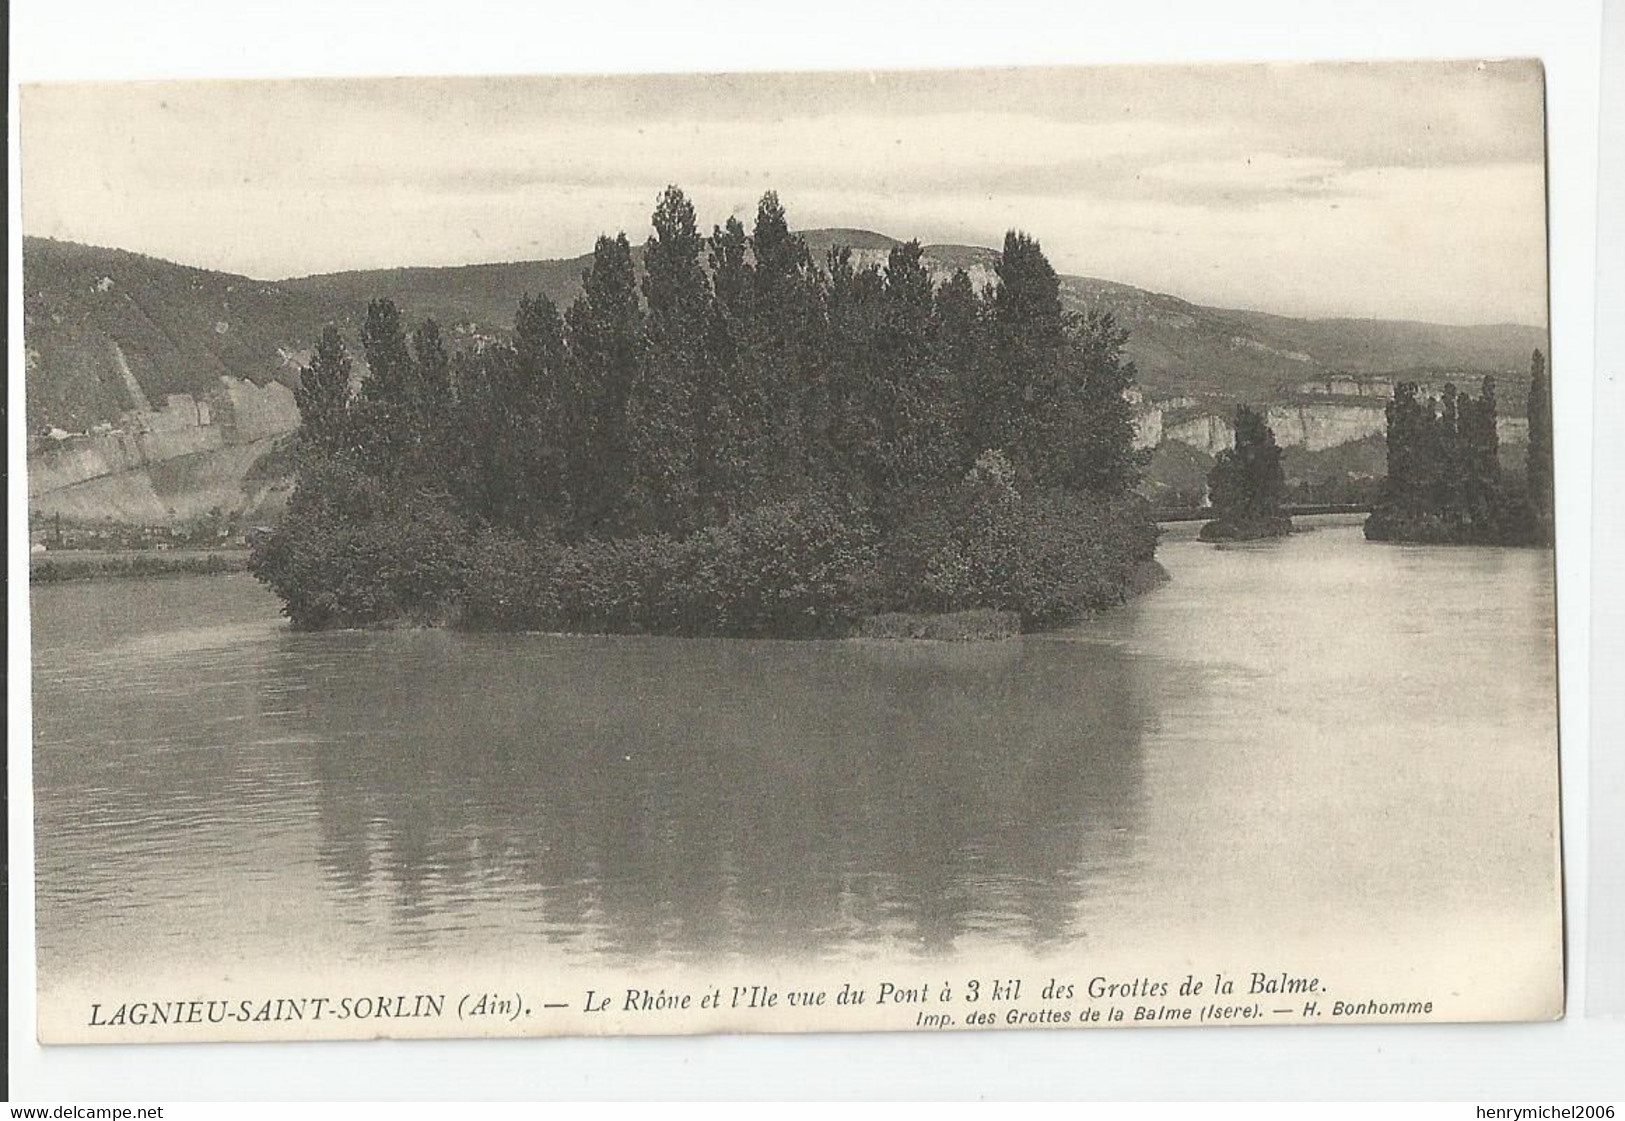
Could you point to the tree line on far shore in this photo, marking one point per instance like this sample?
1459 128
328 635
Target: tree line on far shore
1445 483
745 440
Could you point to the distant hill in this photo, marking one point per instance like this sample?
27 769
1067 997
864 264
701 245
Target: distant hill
108 331
1182 348
480 299
463 299
1385 345
821 240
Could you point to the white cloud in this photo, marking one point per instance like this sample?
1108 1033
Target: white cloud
1281 201
1259 171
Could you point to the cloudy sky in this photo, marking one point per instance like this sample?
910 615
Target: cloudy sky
1397 190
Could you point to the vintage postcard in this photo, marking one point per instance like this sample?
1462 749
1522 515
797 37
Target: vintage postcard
1035 548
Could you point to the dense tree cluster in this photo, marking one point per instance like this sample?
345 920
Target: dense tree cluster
1247 484
1445 482
1540 493
738 395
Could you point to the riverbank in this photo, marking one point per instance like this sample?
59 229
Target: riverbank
979 625
98 564
973 625
1251 529
987 624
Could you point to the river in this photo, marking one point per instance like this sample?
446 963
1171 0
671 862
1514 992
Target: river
1291 740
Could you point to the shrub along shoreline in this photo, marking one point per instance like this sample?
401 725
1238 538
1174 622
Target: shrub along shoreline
56 568
1245 529
972 564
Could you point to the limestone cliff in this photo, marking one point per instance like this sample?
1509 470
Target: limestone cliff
169 465
1346 410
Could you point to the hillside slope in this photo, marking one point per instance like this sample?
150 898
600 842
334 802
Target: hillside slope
112 335
477 300
108 331
1180 347
1384 345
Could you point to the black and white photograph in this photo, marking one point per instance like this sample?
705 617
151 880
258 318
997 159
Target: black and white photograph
906 550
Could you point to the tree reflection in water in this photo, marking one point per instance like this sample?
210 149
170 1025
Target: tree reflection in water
658 799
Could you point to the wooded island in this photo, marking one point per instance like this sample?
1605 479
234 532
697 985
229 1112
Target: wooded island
746 442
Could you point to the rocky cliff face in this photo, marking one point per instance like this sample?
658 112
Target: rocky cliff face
1148 429
1206 432
169 465
176 492
1326 425
1316 426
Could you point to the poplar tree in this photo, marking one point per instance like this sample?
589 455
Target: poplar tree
385 398
545 411
1247 482
960 334
1482 448
604 330
853 303
1539 470
735 416
1055 394
907 391
1402 487
389 362
431 369
778 359
1450 483
489 465
1100 436
323 394
430 401
1023 387
671 399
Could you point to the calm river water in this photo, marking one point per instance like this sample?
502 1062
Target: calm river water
1291 738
